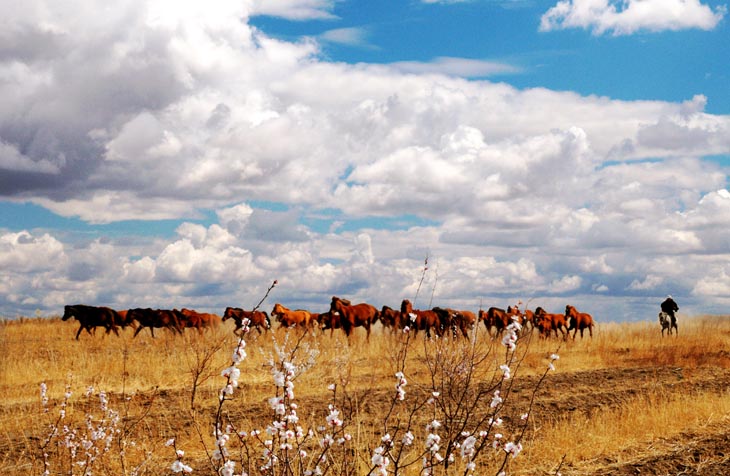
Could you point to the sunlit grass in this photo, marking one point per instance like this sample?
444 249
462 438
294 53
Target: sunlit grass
630 429
154 375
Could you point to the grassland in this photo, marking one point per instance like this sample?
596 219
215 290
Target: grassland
628 401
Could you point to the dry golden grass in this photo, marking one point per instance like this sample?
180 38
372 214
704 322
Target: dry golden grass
626 398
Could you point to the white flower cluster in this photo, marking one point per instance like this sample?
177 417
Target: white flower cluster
553 358
506 372
496 400
509 339
433 445
178 466
432 399
400 392
44 397
221 439
233 373
333 419
87 444
468 449
380 459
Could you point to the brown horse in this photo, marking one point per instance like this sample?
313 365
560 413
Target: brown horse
199 320
419 320
578 321
528 317
287 317
354 315
525 317
257 319
464 320
548 323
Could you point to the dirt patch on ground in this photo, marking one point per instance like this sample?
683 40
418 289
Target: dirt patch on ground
561 394
702 453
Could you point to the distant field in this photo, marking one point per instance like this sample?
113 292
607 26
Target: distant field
625 402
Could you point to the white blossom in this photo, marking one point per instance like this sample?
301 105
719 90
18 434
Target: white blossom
179 467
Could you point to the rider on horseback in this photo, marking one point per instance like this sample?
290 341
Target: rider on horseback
669 307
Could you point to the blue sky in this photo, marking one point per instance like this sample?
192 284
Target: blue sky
662 65
550 152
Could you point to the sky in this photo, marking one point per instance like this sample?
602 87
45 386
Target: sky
461 154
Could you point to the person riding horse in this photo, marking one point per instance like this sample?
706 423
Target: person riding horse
669 307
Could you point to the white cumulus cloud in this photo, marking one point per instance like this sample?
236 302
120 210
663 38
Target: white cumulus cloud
629 16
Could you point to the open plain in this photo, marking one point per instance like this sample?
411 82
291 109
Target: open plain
625 402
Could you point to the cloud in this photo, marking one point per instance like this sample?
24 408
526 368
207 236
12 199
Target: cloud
565 284
12 160
353 36
464 67
650 282
294 9
713 285
628 17
24 252
279 165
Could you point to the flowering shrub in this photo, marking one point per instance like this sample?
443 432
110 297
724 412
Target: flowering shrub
457 418
453 413
79 450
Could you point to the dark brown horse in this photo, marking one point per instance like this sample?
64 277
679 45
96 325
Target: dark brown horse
257 319
157 318
419 320
391 318
91 317
328 320
126 321
455 320
354 315
497 318
578 321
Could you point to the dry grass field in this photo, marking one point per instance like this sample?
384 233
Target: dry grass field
626 402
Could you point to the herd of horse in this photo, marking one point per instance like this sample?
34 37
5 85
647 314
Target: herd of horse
342 314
